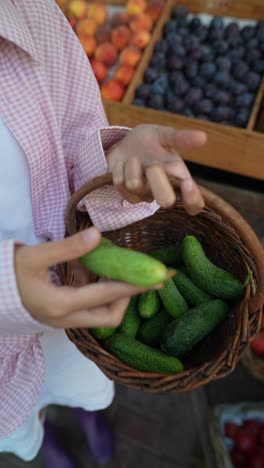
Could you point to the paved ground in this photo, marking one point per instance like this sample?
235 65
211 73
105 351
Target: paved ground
160 431
150 431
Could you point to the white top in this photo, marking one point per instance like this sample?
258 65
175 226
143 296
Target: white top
16 218
70 378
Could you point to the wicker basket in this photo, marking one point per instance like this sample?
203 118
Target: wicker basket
228 240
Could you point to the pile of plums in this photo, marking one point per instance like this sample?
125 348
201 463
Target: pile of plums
210 72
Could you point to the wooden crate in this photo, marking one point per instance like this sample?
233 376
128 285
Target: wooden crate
236 150
236 413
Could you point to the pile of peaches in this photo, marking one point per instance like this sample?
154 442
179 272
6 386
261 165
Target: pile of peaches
114 43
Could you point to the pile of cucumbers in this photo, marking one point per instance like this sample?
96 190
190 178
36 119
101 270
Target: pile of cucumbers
161 326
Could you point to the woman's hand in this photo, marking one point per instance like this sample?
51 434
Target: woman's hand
143 160
101 304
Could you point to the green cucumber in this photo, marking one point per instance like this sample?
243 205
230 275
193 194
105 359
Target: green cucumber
100 333
122 264
182 334
106 242
191 293
131 321
140 356
172 299
168 255
207 275
150 331
148 304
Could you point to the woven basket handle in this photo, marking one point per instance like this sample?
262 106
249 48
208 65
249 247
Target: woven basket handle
213 202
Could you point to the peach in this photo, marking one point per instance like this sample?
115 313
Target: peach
88 43
99 12
134 7
86 26
120 19
124 73
130 56
103 34
141 22
140 39
154 9
73 23
77 9
99 69
113 90
106 53
62 3
120 36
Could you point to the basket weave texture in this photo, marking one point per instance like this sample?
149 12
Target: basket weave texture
228 241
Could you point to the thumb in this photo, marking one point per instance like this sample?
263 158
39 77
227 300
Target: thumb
51 253
181 140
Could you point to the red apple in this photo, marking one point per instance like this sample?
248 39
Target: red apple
257 344
253 426
231 429
245 441
238 459
256 461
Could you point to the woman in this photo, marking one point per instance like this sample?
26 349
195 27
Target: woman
54 137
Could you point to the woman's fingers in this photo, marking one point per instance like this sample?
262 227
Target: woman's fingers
118 173
181 140
160 186
164 193
191 196
106 316
39 257
134 174
68 300
137 196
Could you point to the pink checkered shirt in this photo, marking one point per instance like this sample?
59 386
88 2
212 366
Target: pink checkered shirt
51 102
